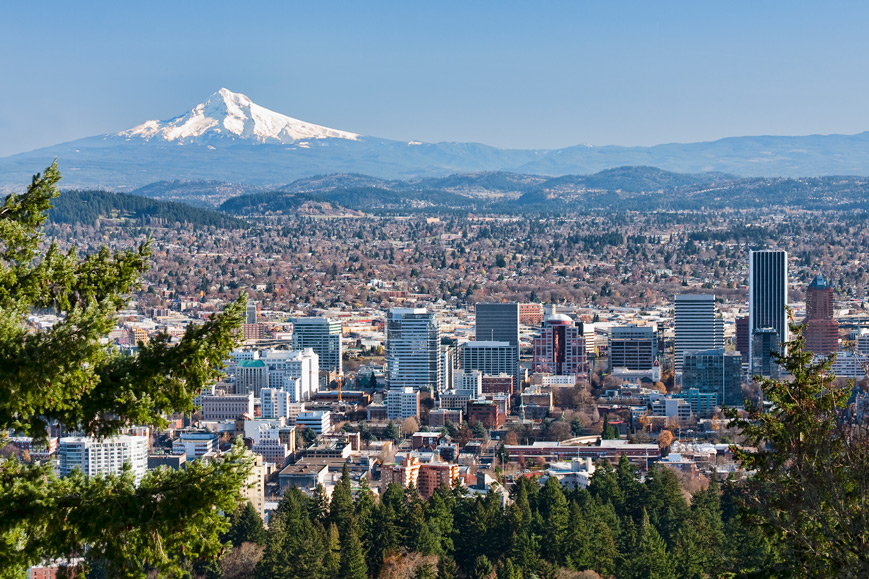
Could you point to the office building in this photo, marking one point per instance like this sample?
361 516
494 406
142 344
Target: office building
469 380
250 313
319 421
743 340
402 403
195 444
293 371
714 371
227 406
251 376
413 353
632 347
108 456
499 322
323 336
695 326
490 358
767 297
560 348
764 343
820 330
275 403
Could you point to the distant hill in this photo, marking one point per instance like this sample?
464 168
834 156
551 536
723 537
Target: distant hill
231 139
86 207
622 189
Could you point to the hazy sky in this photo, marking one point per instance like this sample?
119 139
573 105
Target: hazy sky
530 74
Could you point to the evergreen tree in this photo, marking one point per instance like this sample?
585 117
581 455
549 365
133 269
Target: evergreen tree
509 571
67 376
352 558
652 560
482 568
555 516
341 507
247 526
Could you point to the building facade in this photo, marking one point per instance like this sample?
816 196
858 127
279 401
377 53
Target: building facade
767 296
108 456
413 353
632 347
695 326
560 348
491 358
714 371
323 336
402 403
820 330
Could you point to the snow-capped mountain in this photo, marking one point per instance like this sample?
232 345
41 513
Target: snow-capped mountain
231 139
232 115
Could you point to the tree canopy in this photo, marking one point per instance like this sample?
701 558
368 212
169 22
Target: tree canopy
68 376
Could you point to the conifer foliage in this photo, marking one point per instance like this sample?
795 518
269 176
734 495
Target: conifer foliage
67 375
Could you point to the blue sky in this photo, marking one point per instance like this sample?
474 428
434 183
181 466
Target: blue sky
509 74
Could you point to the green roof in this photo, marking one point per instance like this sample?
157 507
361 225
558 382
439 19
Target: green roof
251 364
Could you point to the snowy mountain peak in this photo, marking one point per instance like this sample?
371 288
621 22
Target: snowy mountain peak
231 115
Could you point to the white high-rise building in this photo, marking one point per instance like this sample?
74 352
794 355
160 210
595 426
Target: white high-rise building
402 403
295 371
469 380
108 456
275 403
413 354
767 294
696 326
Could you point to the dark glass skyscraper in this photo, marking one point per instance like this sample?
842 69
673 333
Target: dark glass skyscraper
767 294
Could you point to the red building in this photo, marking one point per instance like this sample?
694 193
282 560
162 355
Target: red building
486 412
497 384
821 330
560 348
531 314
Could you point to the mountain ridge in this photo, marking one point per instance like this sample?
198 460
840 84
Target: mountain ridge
229 138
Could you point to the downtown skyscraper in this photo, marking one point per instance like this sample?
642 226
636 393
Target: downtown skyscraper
767 296
413 356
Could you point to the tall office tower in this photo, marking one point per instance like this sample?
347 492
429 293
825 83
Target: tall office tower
821 330
490 358
560 348
767 295
324 337
497 322
695 325
743 339
715 371
250 313
764 341
93 456
633 347
413 354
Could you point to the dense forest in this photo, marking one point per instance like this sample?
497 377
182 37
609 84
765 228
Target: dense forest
620 526
86 207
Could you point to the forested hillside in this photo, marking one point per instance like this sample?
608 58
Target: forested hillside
86 207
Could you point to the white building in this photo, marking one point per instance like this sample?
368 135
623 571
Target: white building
108 456
319 421
469 380
294 371
402 403
275 403
195 444
251 376
226 407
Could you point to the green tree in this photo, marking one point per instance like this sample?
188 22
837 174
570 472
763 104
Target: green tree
66 375
247 526
391 432
652 560
810 488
